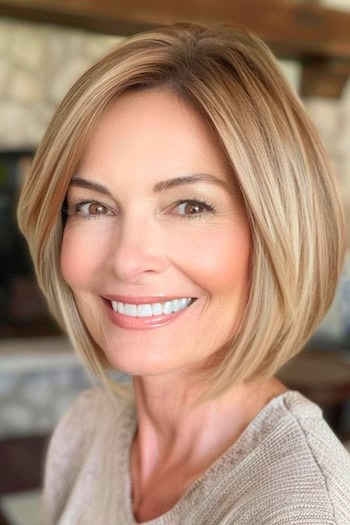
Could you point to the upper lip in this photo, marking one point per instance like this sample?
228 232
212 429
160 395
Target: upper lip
145 299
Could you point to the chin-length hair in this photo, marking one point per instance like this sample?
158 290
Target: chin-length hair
278 162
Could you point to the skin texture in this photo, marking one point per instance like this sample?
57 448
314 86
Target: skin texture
142 243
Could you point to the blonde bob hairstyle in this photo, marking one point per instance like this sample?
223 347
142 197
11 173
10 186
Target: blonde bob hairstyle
278 162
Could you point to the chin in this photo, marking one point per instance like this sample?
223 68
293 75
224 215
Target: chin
153 366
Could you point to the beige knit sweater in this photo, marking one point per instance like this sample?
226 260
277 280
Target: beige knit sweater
286 468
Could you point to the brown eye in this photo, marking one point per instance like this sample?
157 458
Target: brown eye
96 209
89 210
191 208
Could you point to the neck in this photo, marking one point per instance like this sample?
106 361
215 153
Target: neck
171 433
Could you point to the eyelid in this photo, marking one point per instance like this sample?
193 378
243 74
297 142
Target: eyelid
73 209
202 202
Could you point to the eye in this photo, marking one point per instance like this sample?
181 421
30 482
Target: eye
88 210
194 208
93 208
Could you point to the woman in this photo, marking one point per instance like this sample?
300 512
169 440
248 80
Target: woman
186 230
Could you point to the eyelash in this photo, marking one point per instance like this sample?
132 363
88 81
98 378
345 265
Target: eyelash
209 207
75 209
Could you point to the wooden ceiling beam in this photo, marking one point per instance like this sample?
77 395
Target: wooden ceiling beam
324 77
307 32
293 29
62 15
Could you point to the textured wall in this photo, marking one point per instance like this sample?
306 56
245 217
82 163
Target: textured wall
336 4
38 63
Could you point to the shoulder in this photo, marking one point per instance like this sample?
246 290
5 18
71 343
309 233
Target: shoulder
291 424
305 468
322 447
325 452
73 444
78 423
80 417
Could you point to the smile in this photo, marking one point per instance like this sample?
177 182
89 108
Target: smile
150 310
138 317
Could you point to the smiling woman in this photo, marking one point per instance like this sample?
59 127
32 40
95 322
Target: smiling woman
186 229
166 259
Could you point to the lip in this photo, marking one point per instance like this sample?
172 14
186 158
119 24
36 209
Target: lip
142 323
145 299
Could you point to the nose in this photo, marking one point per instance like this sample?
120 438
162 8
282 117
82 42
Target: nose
139 249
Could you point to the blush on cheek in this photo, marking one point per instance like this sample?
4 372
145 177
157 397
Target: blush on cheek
82 255
71 267
75 261
230 270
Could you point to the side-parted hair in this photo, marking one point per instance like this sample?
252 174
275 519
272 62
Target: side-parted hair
278 162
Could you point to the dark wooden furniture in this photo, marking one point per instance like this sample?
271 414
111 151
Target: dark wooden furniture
324 377
22 463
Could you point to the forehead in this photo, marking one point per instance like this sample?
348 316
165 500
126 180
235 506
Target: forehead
153 124
146 118
159 110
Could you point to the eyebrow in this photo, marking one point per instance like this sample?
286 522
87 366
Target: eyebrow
159 186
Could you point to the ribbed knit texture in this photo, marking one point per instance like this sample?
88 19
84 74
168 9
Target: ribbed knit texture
286 468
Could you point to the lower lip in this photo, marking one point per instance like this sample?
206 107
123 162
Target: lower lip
141 323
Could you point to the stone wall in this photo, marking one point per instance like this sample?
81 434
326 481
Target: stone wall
336 4
38 63
39 380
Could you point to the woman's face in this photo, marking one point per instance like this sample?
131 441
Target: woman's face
128 237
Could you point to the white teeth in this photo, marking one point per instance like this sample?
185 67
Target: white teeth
144 310
147 310
130 309
176 305
157 309
183 302
167 307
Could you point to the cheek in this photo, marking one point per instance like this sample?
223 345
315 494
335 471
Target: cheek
235 257
219 259
80 258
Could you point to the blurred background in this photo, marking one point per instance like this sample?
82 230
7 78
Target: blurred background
45 45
